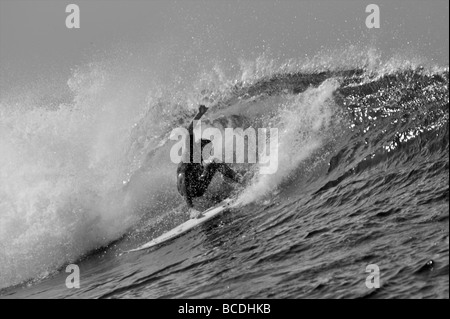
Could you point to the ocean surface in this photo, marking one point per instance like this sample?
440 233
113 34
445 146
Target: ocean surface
363 179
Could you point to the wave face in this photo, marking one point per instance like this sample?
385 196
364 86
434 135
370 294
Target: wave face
362 179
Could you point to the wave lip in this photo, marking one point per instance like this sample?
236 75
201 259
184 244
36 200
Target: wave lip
78 176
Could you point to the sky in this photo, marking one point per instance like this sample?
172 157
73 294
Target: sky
35 43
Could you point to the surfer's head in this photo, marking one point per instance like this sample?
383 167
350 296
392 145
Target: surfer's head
181 183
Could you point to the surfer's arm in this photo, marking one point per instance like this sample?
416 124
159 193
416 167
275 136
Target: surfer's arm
201 111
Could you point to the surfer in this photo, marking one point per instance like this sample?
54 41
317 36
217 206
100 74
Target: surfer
194 178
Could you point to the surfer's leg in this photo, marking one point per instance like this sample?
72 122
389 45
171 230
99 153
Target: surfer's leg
224 169
229 173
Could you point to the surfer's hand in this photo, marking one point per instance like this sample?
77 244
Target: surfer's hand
193 213
202 109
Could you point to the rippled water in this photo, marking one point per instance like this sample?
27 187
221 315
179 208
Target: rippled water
363 179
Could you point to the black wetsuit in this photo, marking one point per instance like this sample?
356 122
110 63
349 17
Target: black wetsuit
194 178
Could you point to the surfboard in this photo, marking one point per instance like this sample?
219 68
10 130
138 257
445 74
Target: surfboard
186 226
